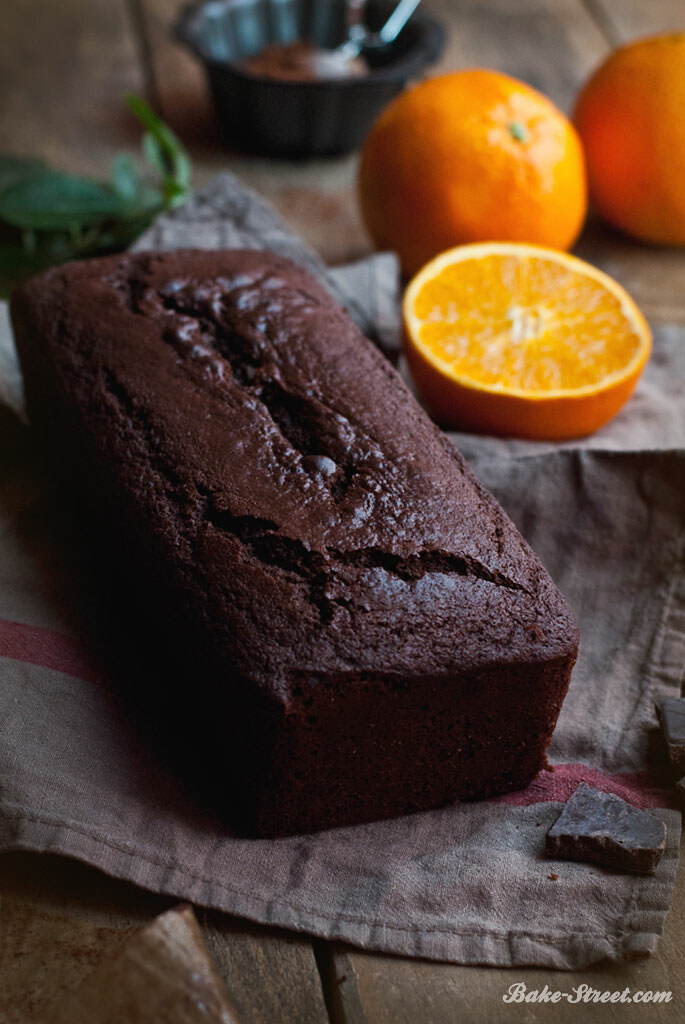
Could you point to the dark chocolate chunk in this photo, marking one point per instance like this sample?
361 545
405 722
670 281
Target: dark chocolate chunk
602 828
672 717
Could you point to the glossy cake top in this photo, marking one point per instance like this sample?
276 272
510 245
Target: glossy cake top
283 464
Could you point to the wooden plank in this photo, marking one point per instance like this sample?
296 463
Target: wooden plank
44 955
551 45
373 989
622 20
59 920
272 976
65 70
162 972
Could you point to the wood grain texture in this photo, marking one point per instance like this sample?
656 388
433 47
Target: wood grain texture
58 921
369 988
551 44
161 972
623 20
61 920
271 976
44 955
64 72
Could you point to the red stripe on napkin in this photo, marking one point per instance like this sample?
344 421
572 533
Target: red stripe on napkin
37 645
560 782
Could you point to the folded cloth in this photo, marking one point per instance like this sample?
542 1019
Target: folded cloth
467 883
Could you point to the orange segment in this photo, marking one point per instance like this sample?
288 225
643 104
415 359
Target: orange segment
517 339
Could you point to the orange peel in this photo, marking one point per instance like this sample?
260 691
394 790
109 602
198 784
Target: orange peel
515 339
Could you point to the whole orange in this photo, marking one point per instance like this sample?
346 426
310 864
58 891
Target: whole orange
631 118
467 157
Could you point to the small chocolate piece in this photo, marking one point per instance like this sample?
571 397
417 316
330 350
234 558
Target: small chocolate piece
672 717
602 828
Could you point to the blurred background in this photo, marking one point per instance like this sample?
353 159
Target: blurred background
65 69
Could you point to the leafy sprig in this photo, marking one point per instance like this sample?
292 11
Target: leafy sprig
48 216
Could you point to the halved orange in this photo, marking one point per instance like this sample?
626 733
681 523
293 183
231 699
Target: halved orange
514 339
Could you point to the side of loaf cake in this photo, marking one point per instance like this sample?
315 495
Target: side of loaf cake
367 628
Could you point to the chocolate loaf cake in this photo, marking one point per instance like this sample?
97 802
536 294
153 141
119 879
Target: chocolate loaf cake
370 634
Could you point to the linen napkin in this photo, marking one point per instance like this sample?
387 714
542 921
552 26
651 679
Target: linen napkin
469 883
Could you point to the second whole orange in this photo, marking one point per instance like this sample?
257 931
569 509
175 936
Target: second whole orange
630 118
471 156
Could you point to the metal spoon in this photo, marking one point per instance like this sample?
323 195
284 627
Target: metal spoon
359 38
344 61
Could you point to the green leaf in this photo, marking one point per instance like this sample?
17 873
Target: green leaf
16 168
53 201
163 151
141 198
125 177
149 202
154 154
53 247
47 217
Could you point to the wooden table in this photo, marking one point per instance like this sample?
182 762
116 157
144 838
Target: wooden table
64 68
